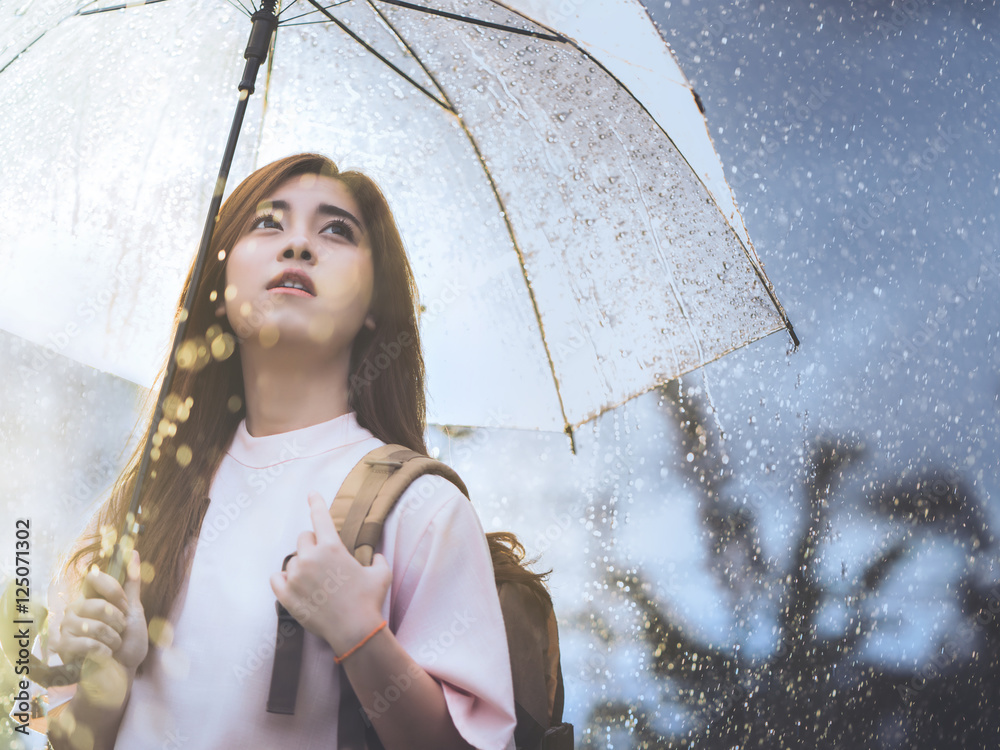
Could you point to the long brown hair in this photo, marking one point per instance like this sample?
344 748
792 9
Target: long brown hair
510 566
386 388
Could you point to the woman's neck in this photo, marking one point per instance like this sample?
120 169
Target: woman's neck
288 390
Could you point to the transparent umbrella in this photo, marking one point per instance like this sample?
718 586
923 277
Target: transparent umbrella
568 219
570 255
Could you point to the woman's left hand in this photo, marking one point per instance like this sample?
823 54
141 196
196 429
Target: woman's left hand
326 589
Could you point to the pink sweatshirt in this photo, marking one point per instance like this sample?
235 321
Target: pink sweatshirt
208 689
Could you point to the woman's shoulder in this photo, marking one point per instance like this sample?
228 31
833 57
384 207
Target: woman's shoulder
429 496
430 514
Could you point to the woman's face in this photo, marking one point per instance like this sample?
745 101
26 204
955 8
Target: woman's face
303 271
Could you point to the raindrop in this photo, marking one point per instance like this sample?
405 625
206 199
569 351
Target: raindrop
184 455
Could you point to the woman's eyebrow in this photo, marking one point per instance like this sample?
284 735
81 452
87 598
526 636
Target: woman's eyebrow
326 209
329 210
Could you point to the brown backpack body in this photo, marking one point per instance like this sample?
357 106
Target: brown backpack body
359 511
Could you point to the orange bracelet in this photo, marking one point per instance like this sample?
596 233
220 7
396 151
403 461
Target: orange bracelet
362 642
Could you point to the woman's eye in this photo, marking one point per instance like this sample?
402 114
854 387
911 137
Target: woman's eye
265 222
340 227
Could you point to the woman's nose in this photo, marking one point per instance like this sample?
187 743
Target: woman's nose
298 249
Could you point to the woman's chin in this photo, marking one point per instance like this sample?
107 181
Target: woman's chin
314 335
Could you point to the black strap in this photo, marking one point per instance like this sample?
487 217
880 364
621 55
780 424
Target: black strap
557 706
287 657
559 736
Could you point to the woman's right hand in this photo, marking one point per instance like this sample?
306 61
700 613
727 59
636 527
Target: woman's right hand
105 629
106 621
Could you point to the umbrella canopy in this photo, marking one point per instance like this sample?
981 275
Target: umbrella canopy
569 254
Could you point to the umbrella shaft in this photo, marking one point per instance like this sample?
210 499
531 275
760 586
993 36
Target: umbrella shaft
264 24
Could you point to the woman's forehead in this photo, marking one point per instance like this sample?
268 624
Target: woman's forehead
306 189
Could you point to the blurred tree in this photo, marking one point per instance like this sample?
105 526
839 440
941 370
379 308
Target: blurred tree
815 690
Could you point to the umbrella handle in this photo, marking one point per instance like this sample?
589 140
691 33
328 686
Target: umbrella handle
264 24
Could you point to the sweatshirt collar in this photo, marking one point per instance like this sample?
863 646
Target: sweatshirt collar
261 452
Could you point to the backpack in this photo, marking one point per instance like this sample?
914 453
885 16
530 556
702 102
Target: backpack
359 510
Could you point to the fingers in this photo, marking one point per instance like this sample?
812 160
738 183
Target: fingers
80 637
93 631
326 532
97 584
76 649
306 540
379 562
133 586
97 610
279 585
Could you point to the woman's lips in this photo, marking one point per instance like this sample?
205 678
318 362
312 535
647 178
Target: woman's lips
292 281
289 290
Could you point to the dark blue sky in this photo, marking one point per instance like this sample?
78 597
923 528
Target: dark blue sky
860 140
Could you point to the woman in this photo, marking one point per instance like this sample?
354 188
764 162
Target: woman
309 283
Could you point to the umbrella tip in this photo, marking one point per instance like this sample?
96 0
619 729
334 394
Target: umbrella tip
791 332
572 439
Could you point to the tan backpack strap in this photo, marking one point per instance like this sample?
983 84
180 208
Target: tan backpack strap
358 510
415 466
372 489
363 502
374 469
352 486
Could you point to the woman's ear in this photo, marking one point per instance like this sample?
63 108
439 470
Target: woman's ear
370 322
220 311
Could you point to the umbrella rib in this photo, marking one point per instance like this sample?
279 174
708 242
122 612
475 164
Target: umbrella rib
406 45
527 281
285 21
646 389
343 27
286 8
29 45
475 21
510 231
241 7
304 23
754 262
38 38
122 6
